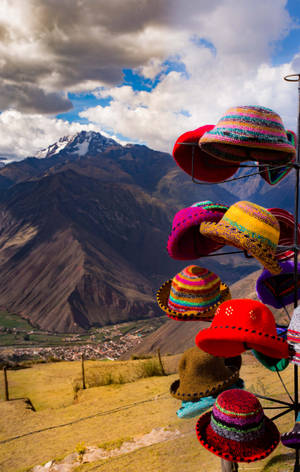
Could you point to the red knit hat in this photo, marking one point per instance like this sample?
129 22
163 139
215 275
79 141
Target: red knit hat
286 238
206 167
237 429
239 325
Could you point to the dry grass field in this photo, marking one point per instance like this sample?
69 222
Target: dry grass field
107 415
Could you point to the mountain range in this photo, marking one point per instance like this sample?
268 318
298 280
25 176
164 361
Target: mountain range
84 226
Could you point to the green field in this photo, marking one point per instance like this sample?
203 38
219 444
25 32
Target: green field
110 415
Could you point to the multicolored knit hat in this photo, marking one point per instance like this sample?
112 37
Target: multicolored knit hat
193 294
250 227
185 241
242 324
237 429
202 166
249 133
202 375
278 290
192 409
293 336
277 172
286 238
292 439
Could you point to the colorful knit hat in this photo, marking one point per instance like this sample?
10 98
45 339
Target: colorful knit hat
250 227
242 324
192 409
185 241
278 290
286 238
249 133
202 375
277 172
292 439
293 336
237 429
193 294
203 166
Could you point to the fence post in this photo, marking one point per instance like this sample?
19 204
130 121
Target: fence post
227 466
6 396
160 362
82 371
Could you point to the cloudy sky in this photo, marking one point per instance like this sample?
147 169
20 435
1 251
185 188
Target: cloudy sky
142 71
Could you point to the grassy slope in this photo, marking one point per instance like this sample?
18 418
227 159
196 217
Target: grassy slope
50 389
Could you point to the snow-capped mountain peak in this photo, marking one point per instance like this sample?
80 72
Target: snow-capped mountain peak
80 144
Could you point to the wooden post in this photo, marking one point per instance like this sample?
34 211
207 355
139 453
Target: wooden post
227 466
82 371
160 362
6 396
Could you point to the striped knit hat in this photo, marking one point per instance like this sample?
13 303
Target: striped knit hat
293 336
277 172
237 429
250 227
249 133
278 290
185 241
292 438
193 294
286 238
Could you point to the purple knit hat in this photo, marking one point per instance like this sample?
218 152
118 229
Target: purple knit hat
185 241
278 290
292 438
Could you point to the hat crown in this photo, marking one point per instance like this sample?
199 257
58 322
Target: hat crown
194 287
246 314
197 364
238 415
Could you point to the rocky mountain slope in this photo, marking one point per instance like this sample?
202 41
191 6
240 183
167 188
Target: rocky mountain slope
84 227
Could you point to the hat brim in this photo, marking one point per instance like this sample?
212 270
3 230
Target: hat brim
203 390
228 341
287 224
291 439
235 451
194 315
225 233
273 175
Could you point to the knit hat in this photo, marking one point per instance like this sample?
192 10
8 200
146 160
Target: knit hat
249 133
237 429
293 336
242 324
276 172
292 439
185 241
192 409
248 226
286 238
202 375
270 362
193 294
203 166
278 290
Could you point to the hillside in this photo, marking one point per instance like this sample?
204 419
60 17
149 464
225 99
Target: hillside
84 227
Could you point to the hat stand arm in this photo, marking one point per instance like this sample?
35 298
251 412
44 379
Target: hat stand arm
281 402
296 78
282 413
284 386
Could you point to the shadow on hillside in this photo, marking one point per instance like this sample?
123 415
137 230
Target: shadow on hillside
281 459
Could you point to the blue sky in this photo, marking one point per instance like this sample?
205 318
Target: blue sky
143 77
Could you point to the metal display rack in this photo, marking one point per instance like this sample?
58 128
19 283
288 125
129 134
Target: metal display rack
293 405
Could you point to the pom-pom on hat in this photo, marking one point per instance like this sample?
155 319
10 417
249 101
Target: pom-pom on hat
242 324
192 294
203 166
278 290
277 172
249 133
250 227
185 241
292 438
202 375
286 237
237 429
